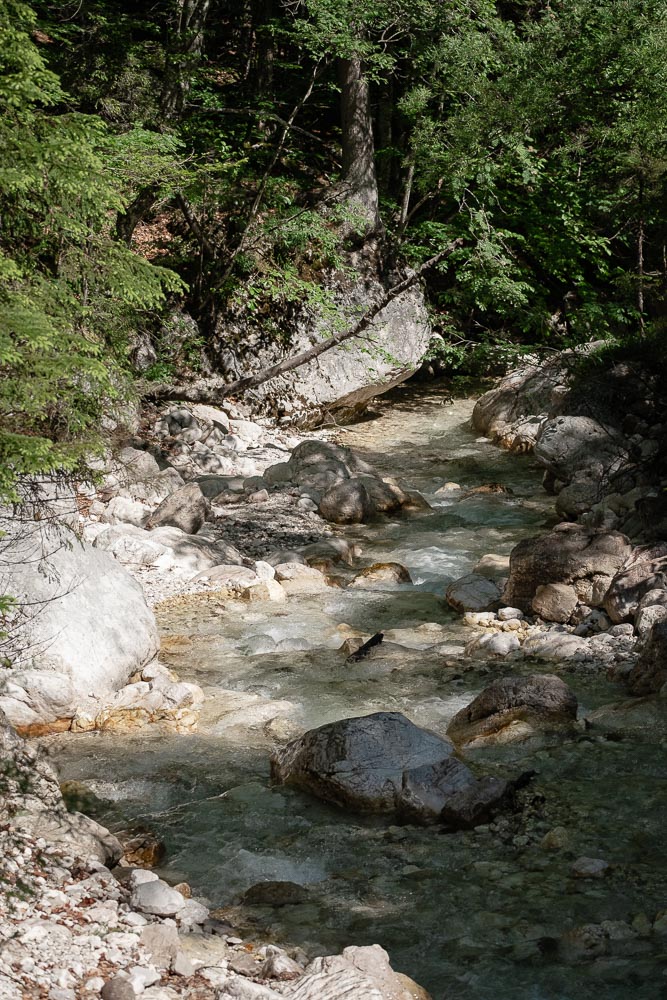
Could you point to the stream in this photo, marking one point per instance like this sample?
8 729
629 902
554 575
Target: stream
488 914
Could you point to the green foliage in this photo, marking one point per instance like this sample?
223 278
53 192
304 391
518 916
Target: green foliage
71 292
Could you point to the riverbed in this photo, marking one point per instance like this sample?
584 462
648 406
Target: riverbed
490 913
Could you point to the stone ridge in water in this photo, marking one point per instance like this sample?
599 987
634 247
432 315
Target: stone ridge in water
383 763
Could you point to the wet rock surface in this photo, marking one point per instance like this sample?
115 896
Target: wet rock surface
383 763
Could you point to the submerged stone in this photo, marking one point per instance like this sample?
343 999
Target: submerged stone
383 763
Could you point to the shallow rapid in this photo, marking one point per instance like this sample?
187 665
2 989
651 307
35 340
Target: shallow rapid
472 915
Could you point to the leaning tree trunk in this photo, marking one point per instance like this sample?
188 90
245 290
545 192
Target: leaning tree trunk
359 176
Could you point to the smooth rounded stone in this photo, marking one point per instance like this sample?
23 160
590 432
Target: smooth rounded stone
297 578
118 988
579 497
492 566
589 868
158 898
570 444
555 602
386 495
185 509
649 616
205 413
472 593
278 474
512 708
653 598
66 649
275 893
313 452
494 644
509 614
384 763
305 503
261 496
569 554
556 839
140 875
645 570
391 573
347 503
448 487
330 549
649 673
127 511
556 646
482 618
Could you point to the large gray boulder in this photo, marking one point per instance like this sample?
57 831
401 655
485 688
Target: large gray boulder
383 763
82 626
643 571
568 445
344 378
513 708
185 509
31 802
513 413
649 673
569 554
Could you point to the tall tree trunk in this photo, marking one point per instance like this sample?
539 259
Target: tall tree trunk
183 52
359 176
264 53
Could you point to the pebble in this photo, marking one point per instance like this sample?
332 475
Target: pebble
589 868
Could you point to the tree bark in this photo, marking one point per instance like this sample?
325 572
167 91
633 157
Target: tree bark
214 390
359 174
183 53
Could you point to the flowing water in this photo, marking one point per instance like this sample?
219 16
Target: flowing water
490 913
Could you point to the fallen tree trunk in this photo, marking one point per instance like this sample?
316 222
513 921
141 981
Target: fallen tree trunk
212 390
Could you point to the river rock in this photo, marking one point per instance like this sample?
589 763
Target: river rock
512 413
347 503
185 509
649 616
31 802
166 548
644 570
499 644
649 673
473 593
360 973
157 898
513 708
296 578
571 555
386 495
556 646
124 510
392 573
384 763
65 583
555 602
568 445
